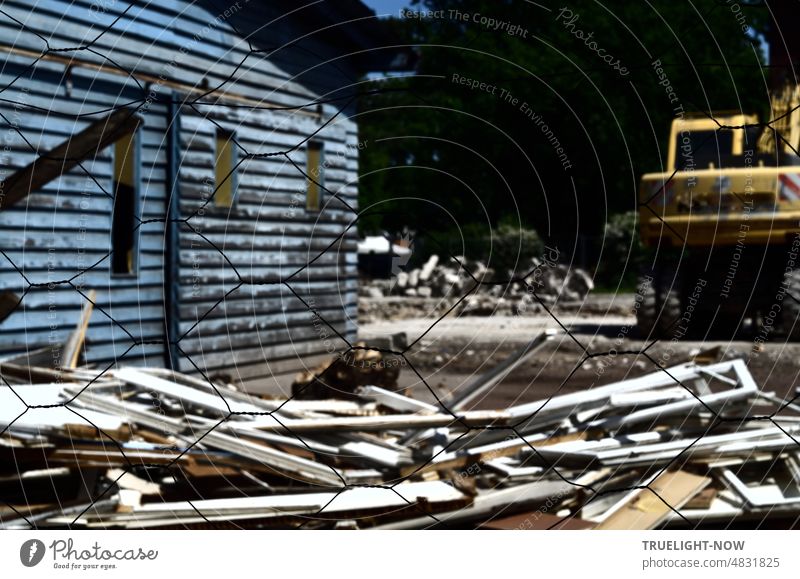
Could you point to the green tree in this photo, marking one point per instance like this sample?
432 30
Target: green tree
446 153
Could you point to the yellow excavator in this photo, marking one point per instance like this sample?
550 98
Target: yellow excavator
723 226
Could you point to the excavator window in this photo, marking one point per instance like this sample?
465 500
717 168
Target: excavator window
699 149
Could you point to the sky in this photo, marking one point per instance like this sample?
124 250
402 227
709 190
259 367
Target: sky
387 7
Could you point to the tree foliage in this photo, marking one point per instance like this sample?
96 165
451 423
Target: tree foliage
444 155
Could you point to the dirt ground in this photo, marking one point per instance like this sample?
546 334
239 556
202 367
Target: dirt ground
446 354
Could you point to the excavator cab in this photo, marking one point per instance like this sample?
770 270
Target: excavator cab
723 217
704 143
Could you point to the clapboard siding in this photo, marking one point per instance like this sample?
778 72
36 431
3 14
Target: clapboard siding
64 228
267 236
238 268
211 59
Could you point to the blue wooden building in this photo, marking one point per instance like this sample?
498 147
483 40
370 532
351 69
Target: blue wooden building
194 165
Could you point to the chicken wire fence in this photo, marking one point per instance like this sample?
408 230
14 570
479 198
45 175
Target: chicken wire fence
464 425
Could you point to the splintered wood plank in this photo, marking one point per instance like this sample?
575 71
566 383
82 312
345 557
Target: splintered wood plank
645 510
703 500
185 394
36 409
72 348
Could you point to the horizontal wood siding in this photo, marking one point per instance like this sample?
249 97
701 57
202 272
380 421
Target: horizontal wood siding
59 231
264 242
245 294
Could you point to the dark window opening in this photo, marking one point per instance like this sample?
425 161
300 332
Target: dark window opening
123 222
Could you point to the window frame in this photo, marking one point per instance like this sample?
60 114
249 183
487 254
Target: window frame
320 179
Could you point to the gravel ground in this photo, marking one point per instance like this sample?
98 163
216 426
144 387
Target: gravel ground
449 352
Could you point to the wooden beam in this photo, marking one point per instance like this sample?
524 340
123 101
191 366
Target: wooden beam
8 301
72 348
67 155
645 508
144 78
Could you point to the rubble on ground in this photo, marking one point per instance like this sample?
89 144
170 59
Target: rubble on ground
447 283
149 448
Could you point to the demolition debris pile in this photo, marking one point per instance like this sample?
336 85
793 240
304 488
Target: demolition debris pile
541 278
149 448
